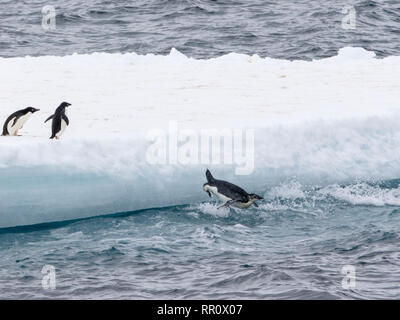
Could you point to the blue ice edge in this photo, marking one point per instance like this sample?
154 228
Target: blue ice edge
38 195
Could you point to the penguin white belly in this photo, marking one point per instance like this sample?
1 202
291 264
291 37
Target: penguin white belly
243 205
63 125
220 196
13 129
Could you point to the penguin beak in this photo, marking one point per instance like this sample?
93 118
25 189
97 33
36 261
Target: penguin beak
35 110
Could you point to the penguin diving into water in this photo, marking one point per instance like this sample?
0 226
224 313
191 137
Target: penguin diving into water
60 121
229 193
16 121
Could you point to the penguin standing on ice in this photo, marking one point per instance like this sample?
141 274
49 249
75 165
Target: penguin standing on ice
17 120
229 193
60 121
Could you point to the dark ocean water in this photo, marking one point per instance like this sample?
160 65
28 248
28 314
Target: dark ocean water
298 29
294 246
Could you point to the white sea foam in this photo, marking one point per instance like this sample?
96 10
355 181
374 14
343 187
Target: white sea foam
213 210
294 195
324 121
292 191
364 194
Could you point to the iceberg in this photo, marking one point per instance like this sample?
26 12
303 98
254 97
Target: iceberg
325 121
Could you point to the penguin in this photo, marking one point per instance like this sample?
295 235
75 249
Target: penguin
17 120
229 193
60 121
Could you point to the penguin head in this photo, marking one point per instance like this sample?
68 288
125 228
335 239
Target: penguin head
31 109
64 104
253 196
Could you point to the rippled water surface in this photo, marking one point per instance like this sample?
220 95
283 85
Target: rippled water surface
298 29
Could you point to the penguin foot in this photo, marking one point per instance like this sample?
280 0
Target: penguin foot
227 204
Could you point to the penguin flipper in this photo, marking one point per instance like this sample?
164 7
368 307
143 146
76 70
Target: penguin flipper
15 121
51 117
65 118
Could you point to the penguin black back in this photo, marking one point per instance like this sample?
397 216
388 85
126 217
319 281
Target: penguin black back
228 189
